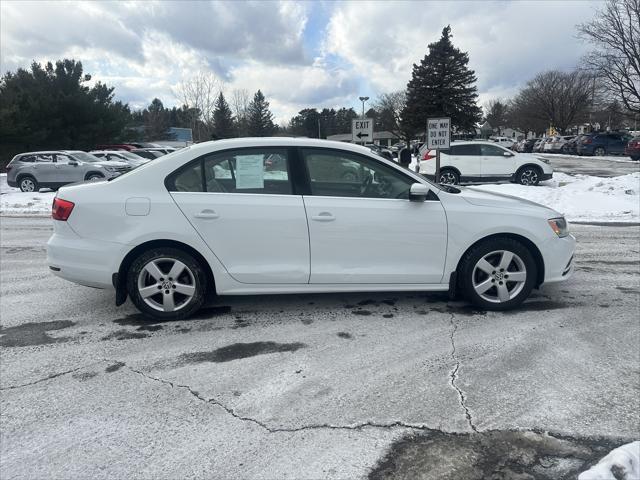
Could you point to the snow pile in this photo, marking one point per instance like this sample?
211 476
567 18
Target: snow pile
609 158
17 203
622 463
582 198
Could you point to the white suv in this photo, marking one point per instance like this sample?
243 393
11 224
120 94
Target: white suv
327 217
478 162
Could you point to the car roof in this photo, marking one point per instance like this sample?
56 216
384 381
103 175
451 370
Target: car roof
245 142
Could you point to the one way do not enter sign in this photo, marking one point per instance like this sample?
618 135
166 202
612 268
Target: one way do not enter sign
362 130
438 133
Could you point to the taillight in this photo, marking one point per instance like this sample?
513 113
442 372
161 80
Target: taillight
587 140
61 209
427 155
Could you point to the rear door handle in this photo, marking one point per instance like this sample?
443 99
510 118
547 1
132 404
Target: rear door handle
323 217
207 214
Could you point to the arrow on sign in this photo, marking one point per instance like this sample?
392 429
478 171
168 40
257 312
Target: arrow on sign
360 135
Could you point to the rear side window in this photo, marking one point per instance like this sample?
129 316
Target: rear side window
26 158
464 150
258 171
44 158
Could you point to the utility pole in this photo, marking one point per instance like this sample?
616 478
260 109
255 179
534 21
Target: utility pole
363 99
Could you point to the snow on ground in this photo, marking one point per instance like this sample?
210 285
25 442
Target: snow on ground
621 463
582 198
610 158
14 202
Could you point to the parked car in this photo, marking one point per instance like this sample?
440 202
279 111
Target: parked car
120 156
172 234
116 146
503 141
150 153
53 169
600 144
558 142
633 148
538 145
571 146
527 146
470 162
385 152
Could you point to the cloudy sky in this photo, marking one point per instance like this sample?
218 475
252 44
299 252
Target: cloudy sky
310 54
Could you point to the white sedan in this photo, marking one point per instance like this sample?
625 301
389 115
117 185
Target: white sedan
224 218
481 162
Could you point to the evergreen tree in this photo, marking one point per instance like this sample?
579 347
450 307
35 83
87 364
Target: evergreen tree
223 126
260 119
442 85
156 121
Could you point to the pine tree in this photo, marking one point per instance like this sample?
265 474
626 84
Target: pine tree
223 126
260 119
442 85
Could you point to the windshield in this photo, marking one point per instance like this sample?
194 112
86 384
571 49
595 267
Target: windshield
84 157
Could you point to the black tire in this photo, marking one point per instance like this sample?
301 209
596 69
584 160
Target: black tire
635 159
198 280
477 252
27 181
449 176
92 177
529 175
599 152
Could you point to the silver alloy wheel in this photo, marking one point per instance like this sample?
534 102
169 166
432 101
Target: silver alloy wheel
529 177
448 178
94 178
599 152
166 284
499 276
27 185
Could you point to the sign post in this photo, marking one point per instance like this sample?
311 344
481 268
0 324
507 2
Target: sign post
362 130
438 138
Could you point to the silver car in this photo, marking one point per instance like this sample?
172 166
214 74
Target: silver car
53 169
120 156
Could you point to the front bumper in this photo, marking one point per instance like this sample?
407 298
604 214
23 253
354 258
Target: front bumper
558 255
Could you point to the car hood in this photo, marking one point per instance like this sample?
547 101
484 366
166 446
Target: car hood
483 198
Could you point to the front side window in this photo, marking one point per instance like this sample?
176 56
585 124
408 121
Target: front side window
62 159
491 151
335 173
258 171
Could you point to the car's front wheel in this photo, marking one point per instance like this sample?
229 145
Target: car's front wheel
599 152
529 176
29 184
498 274
448 177
94 177
166 283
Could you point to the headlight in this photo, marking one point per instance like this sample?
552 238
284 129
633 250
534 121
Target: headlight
110 169
559 226
545 160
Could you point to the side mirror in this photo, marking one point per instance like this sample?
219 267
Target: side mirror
508 154
418 192
73 162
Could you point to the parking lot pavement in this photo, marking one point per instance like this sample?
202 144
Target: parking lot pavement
599 167
317 386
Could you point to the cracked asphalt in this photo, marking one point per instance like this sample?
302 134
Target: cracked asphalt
317 386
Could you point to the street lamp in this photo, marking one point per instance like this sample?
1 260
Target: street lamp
363 99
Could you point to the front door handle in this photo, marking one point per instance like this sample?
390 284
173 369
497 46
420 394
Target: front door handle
207 214
323 217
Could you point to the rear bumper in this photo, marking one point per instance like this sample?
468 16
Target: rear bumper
87 262
12 183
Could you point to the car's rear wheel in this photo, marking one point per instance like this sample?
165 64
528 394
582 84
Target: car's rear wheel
29 184
498 274
599 152
635 158
449 177
529 175
166 283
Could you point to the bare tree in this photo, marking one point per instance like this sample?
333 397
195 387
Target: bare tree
496 113
389 107
240 105
199 92
615 34
553 98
